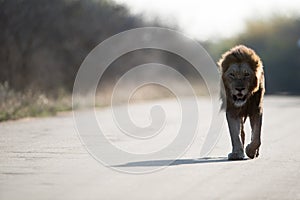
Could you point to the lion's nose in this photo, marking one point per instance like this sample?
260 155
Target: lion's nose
240 89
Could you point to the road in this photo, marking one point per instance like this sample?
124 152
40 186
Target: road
43 158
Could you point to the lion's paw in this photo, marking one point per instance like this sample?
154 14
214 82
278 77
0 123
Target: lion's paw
252 152
236 156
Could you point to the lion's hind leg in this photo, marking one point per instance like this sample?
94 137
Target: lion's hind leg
242 131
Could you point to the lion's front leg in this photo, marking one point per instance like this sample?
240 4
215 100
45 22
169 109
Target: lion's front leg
252 149
234 125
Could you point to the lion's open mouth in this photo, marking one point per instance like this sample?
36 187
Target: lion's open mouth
239 99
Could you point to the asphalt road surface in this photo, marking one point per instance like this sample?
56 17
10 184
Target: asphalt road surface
43 158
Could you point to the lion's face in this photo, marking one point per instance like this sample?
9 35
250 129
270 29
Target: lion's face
239 79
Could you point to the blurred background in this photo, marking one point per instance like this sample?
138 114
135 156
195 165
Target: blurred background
44 42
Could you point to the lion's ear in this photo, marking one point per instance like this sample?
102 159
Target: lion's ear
257 63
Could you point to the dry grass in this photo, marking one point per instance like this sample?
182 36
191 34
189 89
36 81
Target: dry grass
15 105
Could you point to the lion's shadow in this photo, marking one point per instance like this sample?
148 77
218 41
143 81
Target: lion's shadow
149 163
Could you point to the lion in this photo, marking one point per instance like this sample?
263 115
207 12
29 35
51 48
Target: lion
242 96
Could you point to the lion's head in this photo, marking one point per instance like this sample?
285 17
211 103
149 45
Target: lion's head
241 72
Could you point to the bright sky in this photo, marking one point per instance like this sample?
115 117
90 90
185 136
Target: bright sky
212 18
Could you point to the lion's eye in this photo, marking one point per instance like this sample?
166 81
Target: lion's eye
247 74
231 75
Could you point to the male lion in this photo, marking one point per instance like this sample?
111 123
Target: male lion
243 81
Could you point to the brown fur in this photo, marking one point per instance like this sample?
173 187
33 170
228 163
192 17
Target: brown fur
252 107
